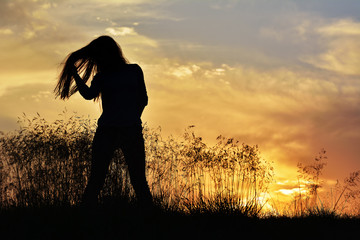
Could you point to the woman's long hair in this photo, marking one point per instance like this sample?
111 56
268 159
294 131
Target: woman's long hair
101 55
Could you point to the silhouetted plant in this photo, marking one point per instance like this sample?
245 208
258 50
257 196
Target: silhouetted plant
308 202
347 194
48 164
310 175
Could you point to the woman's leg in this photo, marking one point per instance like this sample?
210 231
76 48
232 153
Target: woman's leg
103 148
134 153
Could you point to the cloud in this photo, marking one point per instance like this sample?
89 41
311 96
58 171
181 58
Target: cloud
121 31
38 97
32 38
9 80
25 18
6 31
342 42
129 36
122 2
341 27
290 114
132 41
221 5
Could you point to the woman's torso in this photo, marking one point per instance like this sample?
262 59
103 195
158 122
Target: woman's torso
123 96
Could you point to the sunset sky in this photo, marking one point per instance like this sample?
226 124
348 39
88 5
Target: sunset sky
278 73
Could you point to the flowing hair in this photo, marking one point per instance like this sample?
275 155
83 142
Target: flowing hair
102 54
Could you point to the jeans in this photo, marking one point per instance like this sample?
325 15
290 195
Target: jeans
106 140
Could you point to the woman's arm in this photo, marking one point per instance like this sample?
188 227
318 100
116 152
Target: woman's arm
87 92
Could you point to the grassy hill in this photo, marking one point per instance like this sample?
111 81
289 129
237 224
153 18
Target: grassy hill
116 222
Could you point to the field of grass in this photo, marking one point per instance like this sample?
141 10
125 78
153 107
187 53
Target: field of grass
119 222
200 191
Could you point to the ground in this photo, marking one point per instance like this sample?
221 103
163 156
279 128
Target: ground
130 223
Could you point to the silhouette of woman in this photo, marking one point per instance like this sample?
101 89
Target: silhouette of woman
122 90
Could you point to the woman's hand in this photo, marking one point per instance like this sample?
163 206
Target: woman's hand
73 70
75 74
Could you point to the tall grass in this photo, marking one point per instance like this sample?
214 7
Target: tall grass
311 200
43 163
198 178
46 163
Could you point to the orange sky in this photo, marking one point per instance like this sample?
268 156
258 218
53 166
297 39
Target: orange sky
280 74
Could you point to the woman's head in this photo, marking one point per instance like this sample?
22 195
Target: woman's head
102 54
106 53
